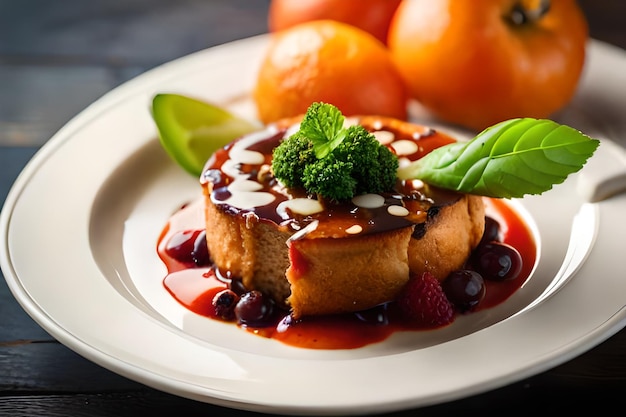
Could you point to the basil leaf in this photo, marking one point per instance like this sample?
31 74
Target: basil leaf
508 160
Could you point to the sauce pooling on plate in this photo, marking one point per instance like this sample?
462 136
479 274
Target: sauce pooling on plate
240 192
195 283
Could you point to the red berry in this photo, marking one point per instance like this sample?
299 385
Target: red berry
254 309
464 288
424 302
224 303
498 261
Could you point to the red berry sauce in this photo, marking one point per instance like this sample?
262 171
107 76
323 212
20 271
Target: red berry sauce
194 283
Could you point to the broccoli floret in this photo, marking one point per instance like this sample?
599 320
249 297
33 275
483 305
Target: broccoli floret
374 166
330 178
353 161
290 158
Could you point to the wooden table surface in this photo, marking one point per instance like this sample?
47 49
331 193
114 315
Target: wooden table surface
56 57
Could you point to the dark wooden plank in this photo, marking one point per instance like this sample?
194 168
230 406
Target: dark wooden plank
127 404
517 399
73 385
29 105
62 58
117 34
46 365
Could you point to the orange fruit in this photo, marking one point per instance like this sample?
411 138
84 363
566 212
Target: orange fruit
476 63
332 62
372 16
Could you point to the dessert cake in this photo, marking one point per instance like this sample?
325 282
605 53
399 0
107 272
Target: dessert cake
321 257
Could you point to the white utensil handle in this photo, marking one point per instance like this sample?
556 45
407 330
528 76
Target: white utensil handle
604 174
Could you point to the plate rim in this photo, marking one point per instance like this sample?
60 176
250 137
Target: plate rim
188 389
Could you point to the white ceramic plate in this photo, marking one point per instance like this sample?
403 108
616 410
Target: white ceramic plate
80 226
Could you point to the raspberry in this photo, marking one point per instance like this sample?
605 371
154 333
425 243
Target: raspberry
424 302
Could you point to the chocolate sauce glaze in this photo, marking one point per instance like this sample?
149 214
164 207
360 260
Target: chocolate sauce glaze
415 201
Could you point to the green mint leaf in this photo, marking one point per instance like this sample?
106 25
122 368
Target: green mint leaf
323 125
508 160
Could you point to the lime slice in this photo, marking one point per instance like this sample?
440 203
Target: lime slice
191 130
